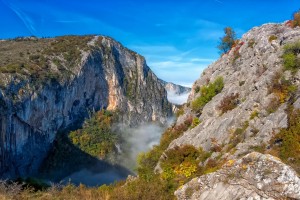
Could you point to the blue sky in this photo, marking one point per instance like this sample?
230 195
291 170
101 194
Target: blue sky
178 38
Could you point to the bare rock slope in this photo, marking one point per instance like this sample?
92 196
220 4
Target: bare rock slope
262 95
255 176
247 70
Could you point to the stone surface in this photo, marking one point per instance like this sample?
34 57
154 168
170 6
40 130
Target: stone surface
250 75
255 176
108 76
248 70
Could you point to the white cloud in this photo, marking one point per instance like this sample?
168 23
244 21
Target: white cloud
182 73
174 65
178 99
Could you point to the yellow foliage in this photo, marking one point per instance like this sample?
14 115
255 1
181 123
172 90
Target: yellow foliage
230 163
186 168
282 95
244 167
168 174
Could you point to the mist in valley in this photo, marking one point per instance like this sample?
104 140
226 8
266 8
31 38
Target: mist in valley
177 99
123 162
132 142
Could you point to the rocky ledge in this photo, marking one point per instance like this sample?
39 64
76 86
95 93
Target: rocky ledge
254 176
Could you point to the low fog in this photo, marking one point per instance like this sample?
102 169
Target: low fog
132 142
137 140
177 99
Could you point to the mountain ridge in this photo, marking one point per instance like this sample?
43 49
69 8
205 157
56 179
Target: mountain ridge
53 84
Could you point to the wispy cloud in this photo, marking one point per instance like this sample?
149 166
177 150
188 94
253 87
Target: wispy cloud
202 60
179 72
218 1
154 48
68 21
28 22
172 64
207 23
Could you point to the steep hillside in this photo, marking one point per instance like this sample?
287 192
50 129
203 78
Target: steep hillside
247 101
48 85
251 73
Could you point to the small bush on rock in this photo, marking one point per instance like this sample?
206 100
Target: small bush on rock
290 57
207 93
229 102
272 37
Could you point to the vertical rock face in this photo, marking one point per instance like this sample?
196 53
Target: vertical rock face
105 76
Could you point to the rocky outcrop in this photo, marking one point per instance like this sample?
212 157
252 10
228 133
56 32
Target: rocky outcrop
255 176
247 70
252 72
104 76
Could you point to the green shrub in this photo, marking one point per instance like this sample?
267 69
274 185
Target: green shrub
290 59
287 142
96 137
272 37
207 93
180 112
196 122
147 161
254 114
282 88
181 164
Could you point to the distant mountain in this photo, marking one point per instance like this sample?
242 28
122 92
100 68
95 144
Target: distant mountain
177 94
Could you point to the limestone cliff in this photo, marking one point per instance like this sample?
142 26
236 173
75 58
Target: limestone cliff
48 85
249 70
246 114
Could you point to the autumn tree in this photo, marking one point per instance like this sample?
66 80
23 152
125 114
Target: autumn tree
227 41
296 19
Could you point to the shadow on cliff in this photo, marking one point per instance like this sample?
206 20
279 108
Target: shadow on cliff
66 163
